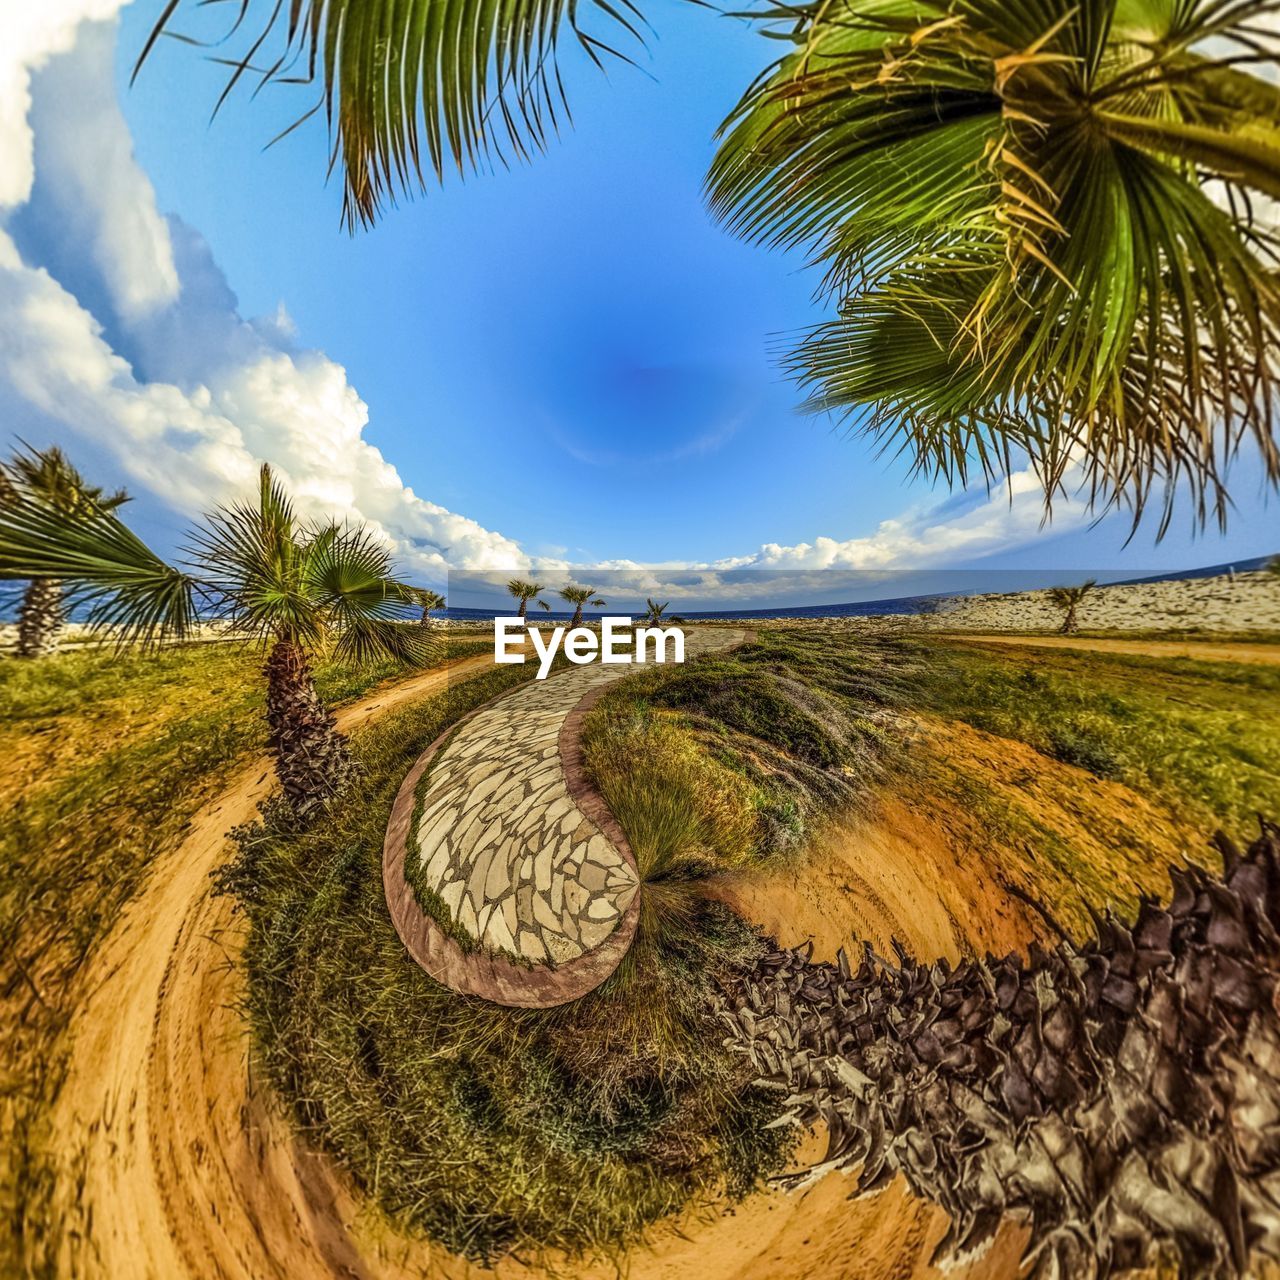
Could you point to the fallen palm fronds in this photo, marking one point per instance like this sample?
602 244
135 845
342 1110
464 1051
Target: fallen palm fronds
1121 1097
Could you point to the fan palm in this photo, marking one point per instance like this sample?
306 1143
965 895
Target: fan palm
295 589
579 597
1069 600
1036 220
47 476
654 612
524 592
418 87
428 601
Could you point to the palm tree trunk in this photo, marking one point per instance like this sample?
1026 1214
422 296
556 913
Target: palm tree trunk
313 761
524 604
40 618
1069 623
577 618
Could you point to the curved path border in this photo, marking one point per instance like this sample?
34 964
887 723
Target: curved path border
493 976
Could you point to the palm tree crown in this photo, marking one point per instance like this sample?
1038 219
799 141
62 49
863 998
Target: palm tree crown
654 612
1014 209
525 592
428 602
579 597
47 477
1069 600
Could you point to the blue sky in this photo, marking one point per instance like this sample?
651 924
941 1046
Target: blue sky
567 362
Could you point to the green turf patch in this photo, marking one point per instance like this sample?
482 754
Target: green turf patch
733 759
1202 736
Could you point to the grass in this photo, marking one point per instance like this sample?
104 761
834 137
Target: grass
1204 737
733 759
108 755
809 723
490 1130
493 1130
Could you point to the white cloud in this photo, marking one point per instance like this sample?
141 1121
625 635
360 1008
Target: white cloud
237 393
33 33
1012 514
88 171
205 396
203 446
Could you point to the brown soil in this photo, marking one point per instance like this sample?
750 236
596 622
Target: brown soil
174 1164
1201 650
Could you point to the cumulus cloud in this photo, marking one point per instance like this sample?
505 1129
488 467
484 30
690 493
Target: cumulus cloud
105 204
33 33
203 396
118 328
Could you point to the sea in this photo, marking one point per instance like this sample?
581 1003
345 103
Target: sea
876 608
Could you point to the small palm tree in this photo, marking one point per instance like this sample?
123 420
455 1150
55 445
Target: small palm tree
579 597
654 612
524 592
48 477
428 601
1069 600
297 590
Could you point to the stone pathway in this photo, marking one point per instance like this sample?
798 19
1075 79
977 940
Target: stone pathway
520 868
522 852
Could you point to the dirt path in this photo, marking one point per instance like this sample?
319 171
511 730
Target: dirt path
174 1165
1201 650
171 1165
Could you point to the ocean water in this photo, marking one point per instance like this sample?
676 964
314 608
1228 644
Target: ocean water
864 608
994 581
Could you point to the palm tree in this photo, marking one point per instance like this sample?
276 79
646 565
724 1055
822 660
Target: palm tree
1069 599
524 592
578 597
1015 207
48 477
428 601
654 612
296 590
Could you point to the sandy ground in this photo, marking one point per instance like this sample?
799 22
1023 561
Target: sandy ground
176 1167
1201 650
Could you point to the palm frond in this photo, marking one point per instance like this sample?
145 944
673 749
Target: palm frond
255 563
367 640
1009 205
105 568
413 87
523 590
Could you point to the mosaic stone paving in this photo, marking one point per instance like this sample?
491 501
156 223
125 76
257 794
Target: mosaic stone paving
501 840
